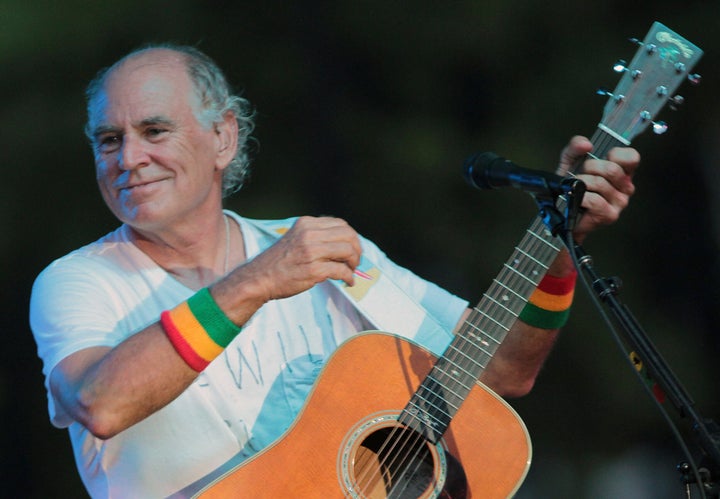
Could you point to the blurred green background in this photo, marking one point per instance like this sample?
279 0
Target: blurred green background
366 110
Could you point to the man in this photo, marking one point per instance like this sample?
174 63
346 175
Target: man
191 335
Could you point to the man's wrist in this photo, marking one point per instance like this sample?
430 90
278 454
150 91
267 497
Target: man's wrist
549 305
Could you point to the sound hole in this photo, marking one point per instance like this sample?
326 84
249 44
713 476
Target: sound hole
394 462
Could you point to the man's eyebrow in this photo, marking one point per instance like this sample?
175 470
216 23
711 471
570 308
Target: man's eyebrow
103 129
157 120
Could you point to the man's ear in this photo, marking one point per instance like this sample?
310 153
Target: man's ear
226 134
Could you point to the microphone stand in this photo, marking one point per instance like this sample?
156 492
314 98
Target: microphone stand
706 431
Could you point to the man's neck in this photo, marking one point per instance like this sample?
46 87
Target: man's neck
197 256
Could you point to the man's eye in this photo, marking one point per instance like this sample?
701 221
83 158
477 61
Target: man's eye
108 142
155 132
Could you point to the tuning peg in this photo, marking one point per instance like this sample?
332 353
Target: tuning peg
659 127
650 47
621 66
606 92
694 78
676 102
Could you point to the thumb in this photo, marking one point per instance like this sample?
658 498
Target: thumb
573 153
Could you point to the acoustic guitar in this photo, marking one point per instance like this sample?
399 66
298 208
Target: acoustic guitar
387 419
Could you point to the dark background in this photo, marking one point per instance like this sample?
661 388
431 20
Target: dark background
366 110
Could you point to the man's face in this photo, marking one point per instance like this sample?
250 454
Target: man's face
155 164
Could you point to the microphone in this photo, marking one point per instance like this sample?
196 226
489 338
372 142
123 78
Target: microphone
487 170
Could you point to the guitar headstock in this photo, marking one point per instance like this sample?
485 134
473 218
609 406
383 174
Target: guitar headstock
663 61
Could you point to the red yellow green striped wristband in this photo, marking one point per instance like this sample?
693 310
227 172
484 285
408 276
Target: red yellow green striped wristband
198 329
549 305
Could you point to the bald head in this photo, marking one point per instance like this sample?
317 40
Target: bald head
211 96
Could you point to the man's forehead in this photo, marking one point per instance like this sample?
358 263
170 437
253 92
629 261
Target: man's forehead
147 85
152 65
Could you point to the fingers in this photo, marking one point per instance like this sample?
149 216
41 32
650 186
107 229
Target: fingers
326 239
626 157
601 209
576 150
609 182
312 251
612 178
605 177
578 147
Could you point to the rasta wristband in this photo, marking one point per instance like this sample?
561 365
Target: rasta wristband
198 329
549 305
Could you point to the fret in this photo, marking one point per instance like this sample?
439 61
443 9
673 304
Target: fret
422 421
532 258
431 398
465 355
489 317
506 288
453 370
464 386
449 400
446 365
542 239
476 327
469 333
517 272
487 347
471 368
441 401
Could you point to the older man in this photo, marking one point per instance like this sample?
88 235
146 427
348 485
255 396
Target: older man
191 335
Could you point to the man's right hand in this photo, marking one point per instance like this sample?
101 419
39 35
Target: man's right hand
314 250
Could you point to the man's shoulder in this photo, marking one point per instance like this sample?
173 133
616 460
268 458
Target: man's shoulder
97 253
276 227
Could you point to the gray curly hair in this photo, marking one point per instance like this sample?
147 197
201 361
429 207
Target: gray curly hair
216 99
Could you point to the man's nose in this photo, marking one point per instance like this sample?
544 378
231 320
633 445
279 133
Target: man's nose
133 153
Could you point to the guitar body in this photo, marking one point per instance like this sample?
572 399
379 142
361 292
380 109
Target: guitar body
347 426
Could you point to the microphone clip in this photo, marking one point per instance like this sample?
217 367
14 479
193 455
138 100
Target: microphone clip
560 208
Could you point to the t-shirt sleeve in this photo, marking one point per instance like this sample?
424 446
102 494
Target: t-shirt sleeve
444 306
71 308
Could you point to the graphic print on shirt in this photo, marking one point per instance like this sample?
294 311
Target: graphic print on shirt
235 359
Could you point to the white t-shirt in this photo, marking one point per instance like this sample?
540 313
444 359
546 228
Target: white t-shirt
245 399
